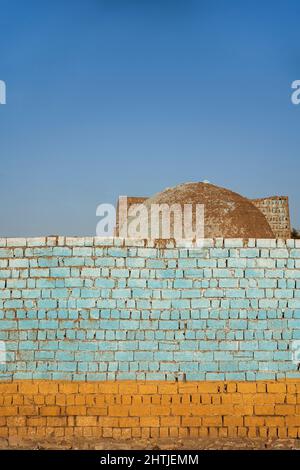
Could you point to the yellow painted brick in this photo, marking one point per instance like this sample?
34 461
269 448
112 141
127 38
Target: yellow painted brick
70 387
242 431
292 421
47 388
136 432
126 433
170 421
27 387
212 420
154 433
292 432
191 421
274 421
264 409
231 387
208 387
187 388
56 421
149 421
78 410
86 421
16 421
129 422
8 387
116 433
126 399
156 399
251 421
203 431
49 400
245 387
108 387
276 387
223 432
96 411
159 410
183 432
88 387
166 388
80 399
213 431
173 432
127 388
3 432
139 410
3 421
117 410
50 411
164 432
108 421
181 410
27 410
233 421
243 410
283 410
36 421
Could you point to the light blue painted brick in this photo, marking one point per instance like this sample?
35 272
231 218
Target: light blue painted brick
168 325
295 253
255 293
214 293
256 273
249 253
82 251
47 303
117 252
120 273
219 253
121 293
60 272
124 356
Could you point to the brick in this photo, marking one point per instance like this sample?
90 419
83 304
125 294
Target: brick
149 421
86 421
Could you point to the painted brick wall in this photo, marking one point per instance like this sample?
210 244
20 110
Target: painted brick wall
112 309
122 338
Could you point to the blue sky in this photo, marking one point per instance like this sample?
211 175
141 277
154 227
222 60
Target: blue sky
109 97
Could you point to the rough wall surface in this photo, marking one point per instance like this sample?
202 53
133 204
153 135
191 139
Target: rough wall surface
118 337
276 211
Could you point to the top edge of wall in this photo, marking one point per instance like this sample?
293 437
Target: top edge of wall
148 243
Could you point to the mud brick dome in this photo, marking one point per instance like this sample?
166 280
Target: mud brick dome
226 213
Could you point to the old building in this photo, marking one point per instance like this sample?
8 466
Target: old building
226 213
276 211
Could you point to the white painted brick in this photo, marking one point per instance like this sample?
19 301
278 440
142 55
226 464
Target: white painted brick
88 241
290 243
16 242
266 243
233 243
219 242
51 241
141 242
74 241
36 241
61 241
103 241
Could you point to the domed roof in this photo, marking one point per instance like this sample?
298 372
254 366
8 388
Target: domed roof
226 213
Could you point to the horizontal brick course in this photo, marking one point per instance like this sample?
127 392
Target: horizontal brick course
151 409
103 309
